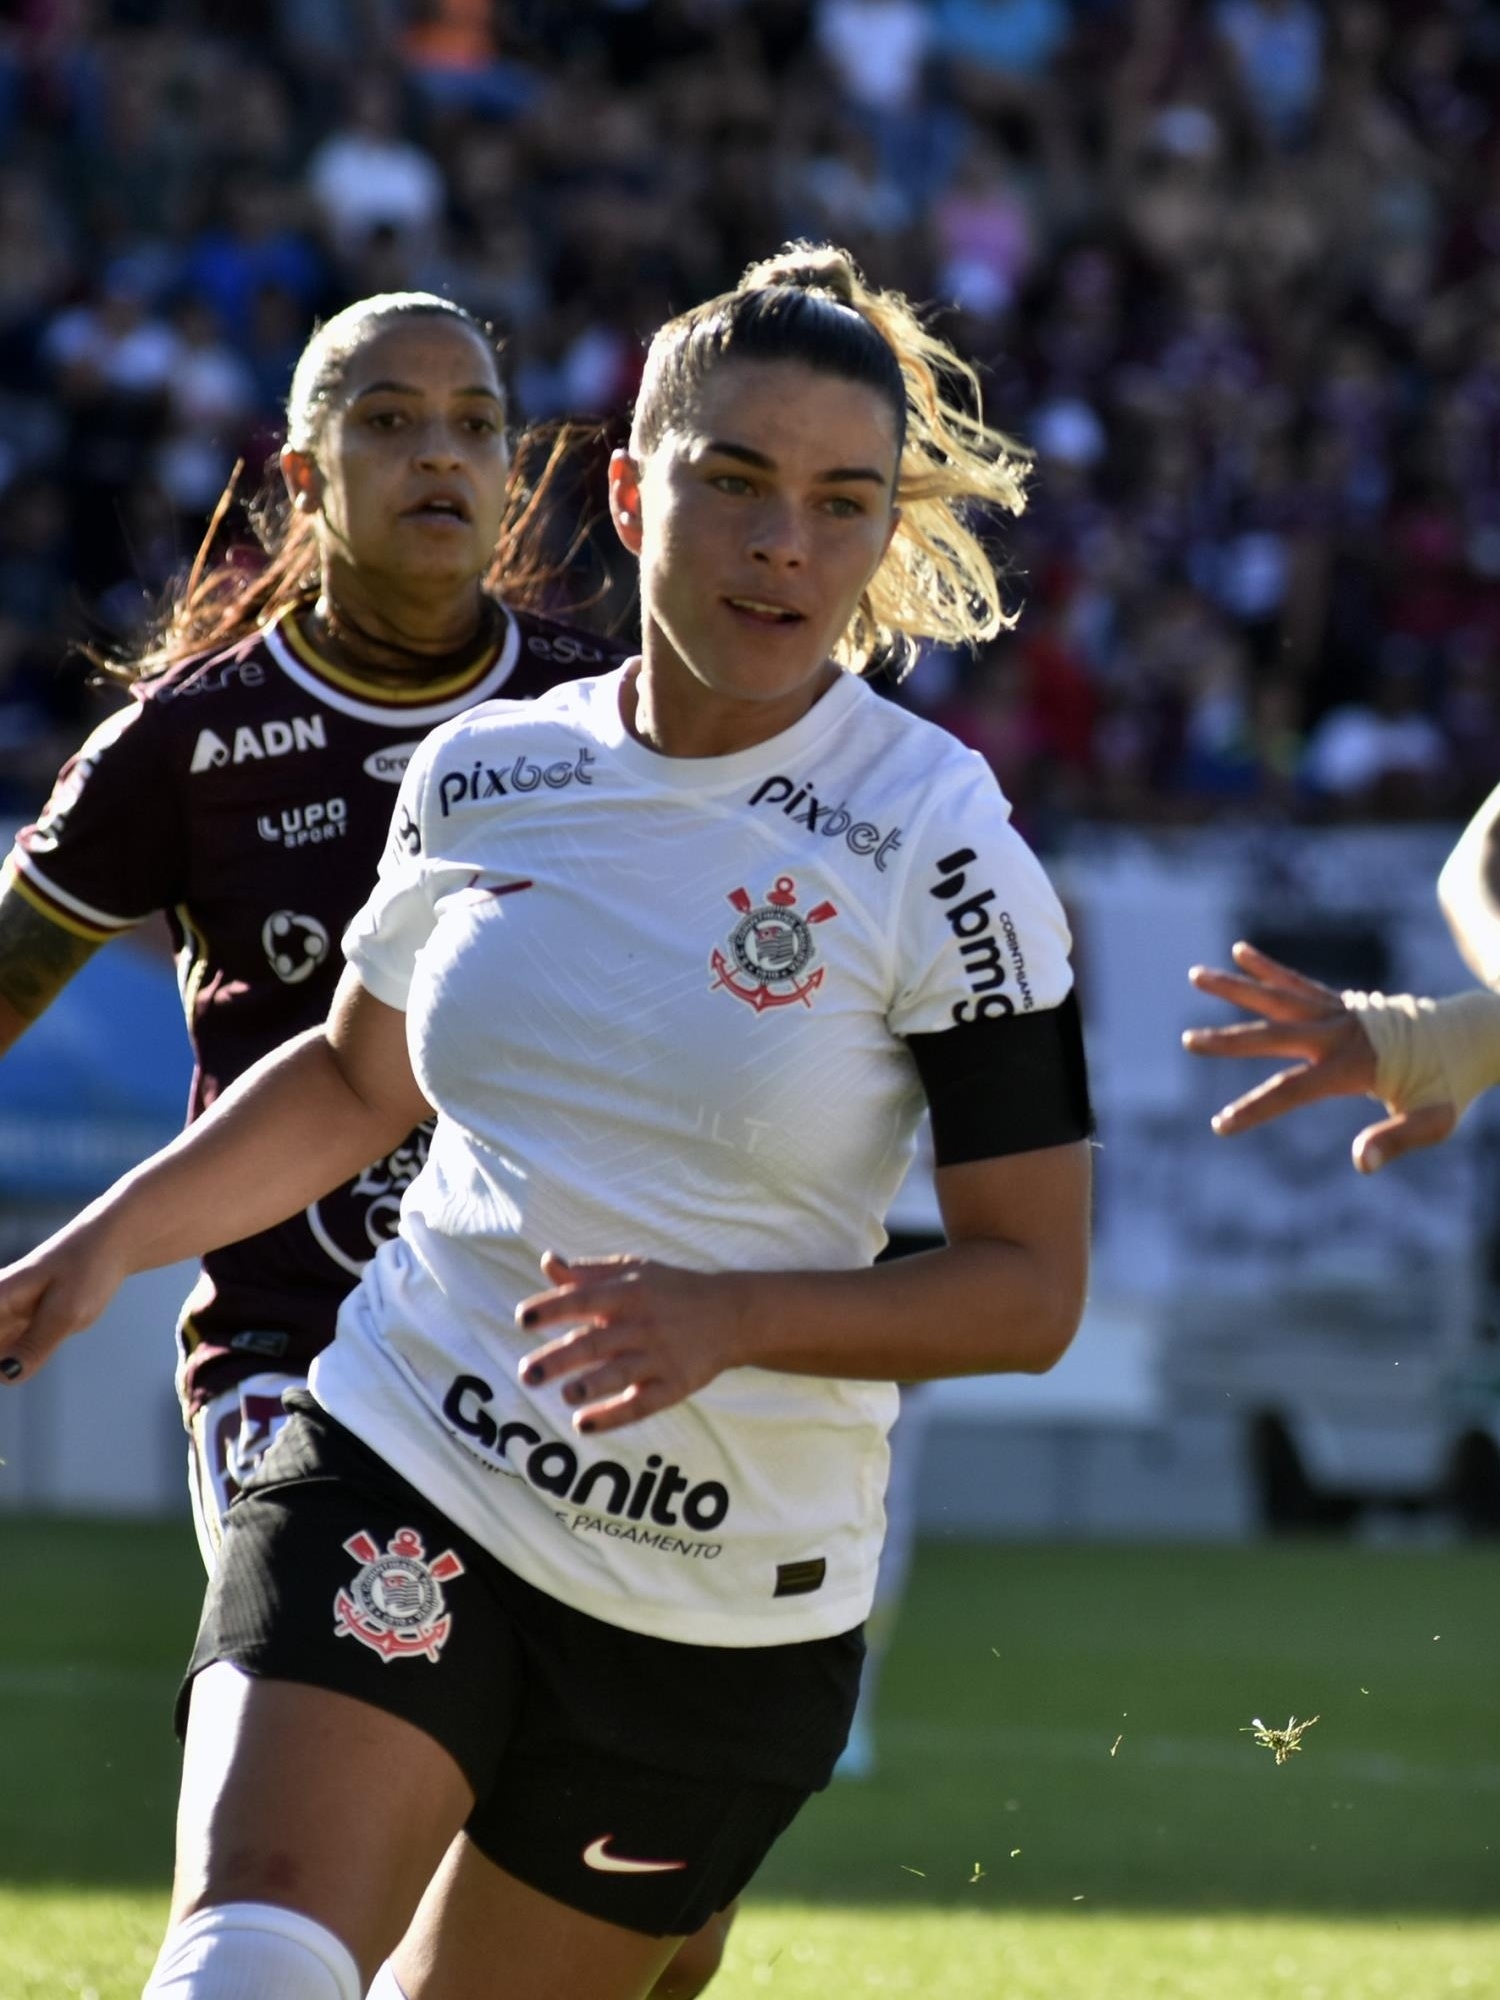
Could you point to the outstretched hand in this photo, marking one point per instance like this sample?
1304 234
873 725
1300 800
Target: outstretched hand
635 1337
60 1288
1309 1022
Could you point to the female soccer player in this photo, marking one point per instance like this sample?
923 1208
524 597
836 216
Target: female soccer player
247 788
580 1570
247 791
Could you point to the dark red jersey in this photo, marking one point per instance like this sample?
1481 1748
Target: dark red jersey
248 795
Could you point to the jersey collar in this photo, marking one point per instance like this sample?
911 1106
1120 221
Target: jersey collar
433 701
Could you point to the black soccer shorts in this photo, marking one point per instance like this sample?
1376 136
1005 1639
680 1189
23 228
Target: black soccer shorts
637 1779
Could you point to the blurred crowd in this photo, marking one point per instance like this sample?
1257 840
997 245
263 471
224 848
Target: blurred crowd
1231 269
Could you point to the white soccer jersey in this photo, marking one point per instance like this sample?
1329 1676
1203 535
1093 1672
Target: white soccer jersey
659 1005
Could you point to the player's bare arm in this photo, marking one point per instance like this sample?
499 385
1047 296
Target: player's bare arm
1004 1295
304 1119
1469 892
1326 1039
37 959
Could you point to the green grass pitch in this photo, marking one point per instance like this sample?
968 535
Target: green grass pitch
1068 1804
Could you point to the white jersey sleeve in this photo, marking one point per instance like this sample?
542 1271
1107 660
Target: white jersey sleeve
980 933
383 939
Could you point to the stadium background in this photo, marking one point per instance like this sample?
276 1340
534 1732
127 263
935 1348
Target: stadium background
1233 270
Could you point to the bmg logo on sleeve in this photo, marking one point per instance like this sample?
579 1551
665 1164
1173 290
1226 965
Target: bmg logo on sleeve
984 937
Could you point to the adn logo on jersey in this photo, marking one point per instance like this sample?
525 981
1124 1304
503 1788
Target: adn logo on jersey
395 1605
770 950
304 826
253 746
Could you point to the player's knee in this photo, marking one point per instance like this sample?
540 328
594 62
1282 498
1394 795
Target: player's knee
697 1959
232 1950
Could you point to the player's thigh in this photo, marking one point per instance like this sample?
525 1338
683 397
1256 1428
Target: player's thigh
482 1934
312 1800
352 1690
697 1959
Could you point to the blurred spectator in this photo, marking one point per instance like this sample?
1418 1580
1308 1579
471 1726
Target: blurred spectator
876 50
1384 755
254 243
211 403
1232 271
1278 47
366 175
451 50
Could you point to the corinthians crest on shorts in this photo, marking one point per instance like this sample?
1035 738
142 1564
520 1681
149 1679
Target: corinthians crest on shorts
395 1605
772 949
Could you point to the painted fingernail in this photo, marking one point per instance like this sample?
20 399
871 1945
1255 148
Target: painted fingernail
574 1393
532 1376
10 1368
586 1424
528 1318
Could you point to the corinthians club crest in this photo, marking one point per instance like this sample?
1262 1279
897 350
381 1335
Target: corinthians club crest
771 949
395 1605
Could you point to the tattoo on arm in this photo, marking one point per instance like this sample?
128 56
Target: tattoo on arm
37 959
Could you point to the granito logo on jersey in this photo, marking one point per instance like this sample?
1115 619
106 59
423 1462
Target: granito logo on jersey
304 826
605 1487
979 939
390 763
253 746
484 781
802 806
771 949
295 946
395 1605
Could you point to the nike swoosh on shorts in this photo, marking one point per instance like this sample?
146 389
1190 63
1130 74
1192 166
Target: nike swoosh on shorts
597 1855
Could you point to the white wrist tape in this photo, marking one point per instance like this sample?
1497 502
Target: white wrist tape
1431 1051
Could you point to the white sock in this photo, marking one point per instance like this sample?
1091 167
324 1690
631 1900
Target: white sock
387 1986
249 1951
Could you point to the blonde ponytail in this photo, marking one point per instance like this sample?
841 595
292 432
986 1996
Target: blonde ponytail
938 581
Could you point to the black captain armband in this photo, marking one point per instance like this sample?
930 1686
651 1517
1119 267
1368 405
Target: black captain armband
1011 1085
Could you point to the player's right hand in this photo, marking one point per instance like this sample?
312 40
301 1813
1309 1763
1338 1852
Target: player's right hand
59 1288
1309 1022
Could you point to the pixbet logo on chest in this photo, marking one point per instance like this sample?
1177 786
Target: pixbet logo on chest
485 781
802 806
